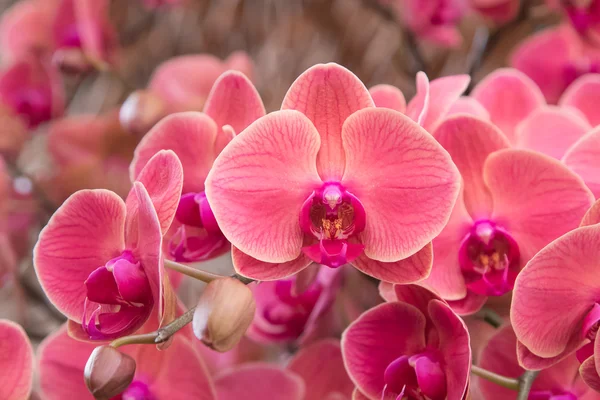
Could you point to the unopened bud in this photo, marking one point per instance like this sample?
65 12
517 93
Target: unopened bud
108 372
224 313
141 111
71 61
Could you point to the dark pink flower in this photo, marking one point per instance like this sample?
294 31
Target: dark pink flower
176 373
412 347
16 362
559 382
333 180
513 203
99 258
554 58
583 15
197 139
286 314
555 302
499 11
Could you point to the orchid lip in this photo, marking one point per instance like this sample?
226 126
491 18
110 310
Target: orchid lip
551 395
489 259
419 376
137 390
332 215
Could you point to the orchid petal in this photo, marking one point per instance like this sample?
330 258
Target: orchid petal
443 93
583 94
589 373
418 105
16 361
592 216
259 381
468 105
404 179
264 271
582 158
82 235
388 96
273 162
328 94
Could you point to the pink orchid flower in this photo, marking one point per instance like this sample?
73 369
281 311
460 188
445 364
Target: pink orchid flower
554 58
583 15
513 203
509 97
197 139
176 373
559 382
434 21
99 258
286 314
321 367
16 361
412 347
90 152
583 95
338 197
583 159
499 11
40 27
31 90
555 303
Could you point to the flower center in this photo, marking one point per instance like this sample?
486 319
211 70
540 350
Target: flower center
551 395
119 299
332 215
199 237
417 377
489 259
137 390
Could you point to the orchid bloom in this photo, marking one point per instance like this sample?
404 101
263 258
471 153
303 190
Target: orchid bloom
42 26
90 152
555 303
434 21
350 183
559 382
554 58
583 95
584 16
499 11
197 139
177 373
99 258
509 97
286 313
16 362
513 203
31 90
582 158
413 347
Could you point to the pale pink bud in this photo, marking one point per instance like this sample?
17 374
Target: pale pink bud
224 313
141 111
108 372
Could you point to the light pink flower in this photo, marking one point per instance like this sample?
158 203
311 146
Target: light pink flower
583 95
555 301
321 367
333 180
513 203
554 58
286 314
434 21
176 373
16 362
509 96
561 381
413 345
197 138
99 258
583 159
499 11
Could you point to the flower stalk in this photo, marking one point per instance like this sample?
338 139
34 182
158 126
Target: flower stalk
522 384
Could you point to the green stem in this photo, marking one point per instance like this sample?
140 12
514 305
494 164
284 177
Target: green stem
192 272
509 383
525 382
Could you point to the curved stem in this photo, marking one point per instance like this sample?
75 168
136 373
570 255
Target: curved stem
509 383
192 272
525 382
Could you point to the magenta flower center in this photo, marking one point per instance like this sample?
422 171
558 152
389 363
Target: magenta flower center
34 103
551 395
582 13
119 299
199 237
333 216
489 259
137 390
447 13
417 377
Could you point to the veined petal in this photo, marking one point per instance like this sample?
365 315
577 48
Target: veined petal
192 136
259 381
468 105
536 198
509 96
16 361
584 94
592 216
551 130
233 100
590 373
82 235
328 94
272 169
470 141
388 96
555 291
443 93
405 180
264 271
582 158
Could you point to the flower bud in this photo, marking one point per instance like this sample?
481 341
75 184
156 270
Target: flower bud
224 313
71 61
141 111
108 372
